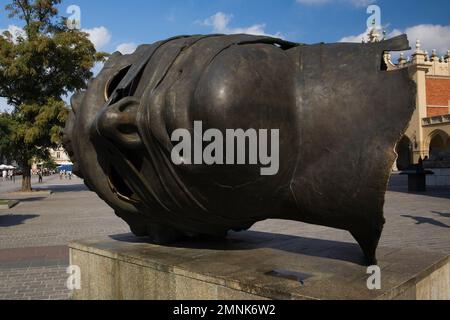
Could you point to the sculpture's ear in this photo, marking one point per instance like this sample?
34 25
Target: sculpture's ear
118 123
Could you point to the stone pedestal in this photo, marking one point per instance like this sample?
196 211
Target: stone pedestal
252 265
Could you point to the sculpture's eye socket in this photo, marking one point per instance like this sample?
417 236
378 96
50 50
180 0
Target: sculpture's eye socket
114 82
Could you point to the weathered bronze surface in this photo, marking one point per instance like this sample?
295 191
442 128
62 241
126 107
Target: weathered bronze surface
339 112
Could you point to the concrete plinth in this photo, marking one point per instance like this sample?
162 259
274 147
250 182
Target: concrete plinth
252 265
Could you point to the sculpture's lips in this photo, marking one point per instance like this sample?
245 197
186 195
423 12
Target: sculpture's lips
120 189
123 178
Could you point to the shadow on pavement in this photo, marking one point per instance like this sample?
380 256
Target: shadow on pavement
430 221
15 220
443 215
29 199
64 188
252 240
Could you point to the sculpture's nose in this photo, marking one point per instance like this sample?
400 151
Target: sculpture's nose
118 123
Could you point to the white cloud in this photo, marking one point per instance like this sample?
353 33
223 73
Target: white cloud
354 3
356 38
431 37
220 23
15 31
126 48
99 36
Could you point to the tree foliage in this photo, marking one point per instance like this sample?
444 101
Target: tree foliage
38 67
50 164
5 136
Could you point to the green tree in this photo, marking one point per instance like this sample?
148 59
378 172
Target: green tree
37 68
50 164
5 136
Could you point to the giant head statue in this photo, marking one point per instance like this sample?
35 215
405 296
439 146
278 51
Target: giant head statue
200 135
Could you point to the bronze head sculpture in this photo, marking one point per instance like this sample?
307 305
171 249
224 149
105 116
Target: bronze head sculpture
338 111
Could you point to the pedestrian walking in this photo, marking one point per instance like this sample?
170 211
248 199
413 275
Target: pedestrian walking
41 180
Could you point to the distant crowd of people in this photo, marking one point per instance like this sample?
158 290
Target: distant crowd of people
65 175
62 174
8 175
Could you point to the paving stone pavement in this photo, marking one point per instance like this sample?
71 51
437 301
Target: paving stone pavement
40 283
8 186
34 235
70 213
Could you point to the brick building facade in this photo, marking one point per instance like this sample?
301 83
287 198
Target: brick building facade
428 135
438 96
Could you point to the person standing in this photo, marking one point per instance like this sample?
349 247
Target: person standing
41 180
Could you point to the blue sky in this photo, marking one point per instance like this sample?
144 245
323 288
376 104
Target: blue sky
124 24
